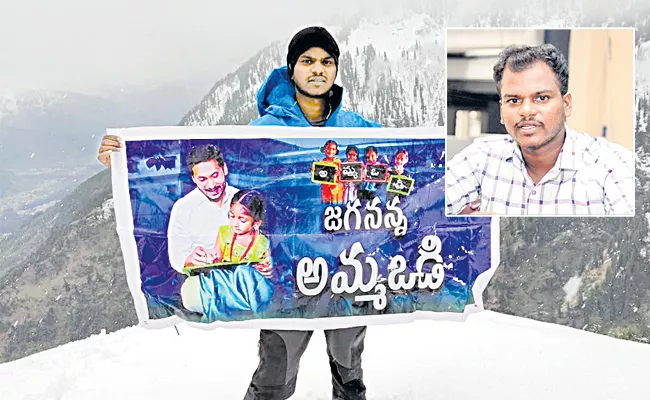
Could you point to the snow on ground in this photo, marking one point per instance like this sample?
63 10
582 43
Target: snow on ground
571 288
490 356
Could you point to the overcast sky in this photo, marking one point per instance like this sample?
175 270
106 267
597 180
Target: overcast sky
91 45
88 45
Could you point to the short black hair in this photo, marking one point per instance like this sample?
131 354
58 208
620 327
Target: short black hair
350 148
518 58
322 149
369 149
205 153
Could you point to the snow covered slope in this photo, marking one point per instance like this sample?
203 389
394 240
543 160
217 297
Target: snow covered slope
490 357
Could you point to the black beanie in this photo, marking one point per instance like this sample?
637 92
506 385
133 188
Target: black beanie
314 36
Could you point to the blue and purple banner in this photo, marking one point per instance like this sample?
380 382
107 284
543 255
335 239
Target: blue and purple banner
295 228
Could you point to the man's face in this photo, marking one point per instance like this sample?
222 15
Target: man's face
314 72
353 156
330 150
401 159
532 108
371 157
210 178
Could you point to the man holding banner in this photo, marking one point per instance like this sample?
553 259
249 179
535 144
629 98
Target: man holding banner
304 94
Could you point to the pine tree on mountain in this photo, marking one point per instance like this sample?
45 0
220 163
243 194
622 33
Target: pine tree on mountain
441 118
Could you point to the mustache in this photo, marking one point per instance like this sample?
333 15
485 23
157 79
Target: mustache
530 121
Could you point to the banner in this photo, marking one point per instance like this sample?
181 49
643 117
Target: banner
294 228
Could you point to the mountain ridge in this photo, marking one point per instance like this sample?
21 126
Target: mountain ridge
72 249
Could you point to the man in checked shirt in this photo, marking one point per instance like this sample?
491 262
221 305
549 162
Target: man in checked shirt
542 167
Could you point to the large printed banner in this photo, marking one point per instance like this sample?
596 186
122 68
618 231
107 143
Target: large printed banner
294 228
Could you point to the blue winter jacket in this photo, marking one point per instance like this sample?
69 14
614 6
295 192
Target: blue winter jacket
277 105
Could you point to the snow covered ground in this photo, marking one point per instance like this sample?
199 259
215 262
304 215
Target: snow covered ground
490 356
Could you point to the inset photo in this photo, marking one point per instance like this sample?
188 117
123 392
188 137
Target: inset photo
540 122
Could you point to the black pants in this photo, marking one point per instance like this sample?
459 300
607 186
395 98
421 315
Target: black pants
280 352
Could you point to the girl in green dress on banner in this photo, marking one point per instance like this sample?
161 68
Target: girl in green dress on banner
224 293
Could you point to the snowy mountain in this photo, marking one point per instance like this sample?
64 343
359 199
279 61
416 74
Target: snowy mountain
27 192
48 139
62 274
13 102
54 129
390 69
490 356
48 128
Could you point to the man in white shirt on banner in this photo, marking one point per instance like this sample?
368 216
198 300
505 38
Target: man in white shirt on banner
196 217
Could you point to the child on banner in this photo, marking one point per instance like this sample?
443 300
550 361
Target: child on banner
332 191
351 189
248 290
